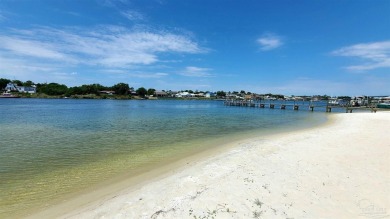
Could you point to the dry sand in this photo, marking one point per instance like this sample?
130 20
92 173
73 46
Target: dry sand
338 170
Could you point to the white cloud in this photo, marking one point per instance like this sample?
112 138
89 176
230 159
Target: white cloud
133 15
376 55
269 41
149 75
46 54
136 74
17 67
38 72
192 71
108 47
114 3
31 48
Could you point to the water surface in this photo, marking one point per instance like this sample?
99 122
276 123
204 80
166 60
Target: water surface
53 148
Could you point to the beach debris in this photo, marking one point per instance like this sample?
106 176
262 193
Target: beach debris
157 213
220 208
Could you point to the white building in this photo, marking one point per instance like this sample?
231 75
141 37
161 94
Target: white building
21 89
184 95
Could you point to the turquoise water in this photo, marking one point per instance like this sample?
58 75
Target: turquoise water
52 148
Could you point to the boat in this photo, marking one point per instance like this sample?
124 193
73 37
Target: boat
334 101
337 102
383 105
8 95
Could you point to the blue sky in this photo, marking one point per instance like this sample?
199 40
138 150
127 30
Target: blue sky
300 47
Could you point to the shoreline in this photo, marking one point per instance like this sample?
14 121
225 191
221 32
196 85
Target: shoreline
102 191
278 175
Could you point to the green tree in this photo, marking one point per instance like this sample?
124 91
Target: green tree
151 91
3 83
221 94
141 91
121 89
17 82
52 89
28 83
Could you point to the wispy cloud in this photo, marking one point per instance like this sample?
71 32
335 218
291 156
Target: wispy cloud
14 68
149 75
108 47
133 15
269 41
114 3
10 65
376 55
32 48
192 71
136 74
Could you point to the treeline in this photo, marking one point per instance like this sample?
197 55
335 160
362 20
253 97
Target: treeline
123 89
55 89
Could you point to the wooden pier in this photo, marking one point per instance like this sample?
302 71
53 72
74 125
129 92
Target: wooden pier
296 105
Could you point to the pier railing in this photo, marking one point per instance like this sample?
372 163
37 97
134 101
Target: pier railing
298 104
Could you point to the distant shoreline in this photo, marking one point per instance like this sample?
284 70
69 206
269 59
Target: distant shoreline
108 97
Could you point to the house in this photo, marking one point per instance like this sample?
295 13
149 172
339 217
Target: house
298 98
132 92
248 97
184 95
10 87
161 94
233 96
172 93
210 94
22 89
201 95
109 92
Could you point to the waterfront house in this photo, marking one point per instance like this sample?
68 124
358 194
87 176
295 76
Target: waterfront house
248 97
184 95
161 94
172 93
210 94
22 89
109 92
10 87
201 95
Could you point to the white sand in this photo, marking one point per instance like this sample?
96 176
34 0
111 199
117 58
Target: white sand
339 170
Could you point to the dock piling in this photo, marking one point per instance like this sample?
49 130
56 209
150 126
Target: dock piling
285 105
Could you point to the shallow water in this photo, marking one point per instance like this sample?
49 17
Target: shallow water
52 148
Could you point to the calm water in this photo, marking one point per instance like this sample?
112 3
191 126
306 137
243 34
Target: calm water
52 148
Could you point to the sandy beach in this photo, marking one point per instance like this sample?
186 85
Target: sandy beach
338 170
